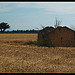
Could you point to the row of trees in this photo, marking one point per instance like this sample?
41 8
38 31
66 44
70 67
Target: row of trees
23 31
4 26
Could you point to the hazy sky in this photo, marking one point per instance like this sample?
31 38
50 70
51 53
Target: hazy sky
33 15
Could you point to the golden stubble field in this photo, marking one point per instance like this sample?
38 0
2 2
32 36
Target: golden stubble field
16 57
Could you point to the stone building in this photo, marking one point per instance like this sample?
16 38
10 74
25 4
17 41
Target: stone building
58 37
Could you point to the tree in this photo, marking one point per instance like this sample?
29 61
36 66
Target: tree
4 26
57 23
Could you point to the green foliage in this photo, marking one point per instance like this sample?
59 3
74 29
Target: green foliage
44 43
22 31
31 42
39 43
4 26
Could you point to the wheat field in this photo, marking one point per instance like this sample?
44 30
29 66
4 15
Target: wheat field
17 57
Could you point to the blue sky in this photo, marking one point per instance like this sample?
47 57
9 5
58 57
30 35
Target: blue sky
33 15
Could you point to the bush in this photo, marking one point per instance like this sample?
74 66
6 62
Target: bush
31 42
45 43
40 43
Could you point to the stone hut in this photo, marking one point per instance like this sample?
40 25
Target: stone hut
58 37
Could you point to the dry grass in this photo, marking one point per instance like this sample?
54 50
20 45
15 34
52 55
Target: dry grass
16 57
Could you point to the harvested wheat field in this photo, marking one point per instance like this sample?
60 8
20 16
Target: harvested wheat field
17 57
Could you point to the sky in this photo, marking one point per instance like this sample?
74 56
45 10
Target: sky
34 15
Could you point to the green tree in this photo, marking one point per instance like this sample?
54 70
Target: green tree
4 26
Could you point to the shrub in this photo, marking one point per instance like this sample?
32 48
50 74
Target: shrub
31 42
45 43
40 43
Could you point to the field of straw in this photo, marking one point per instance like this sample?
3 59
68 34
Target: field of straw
17 57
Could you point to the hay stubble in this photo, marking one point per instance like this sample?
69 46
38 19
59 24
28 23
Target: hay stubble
17 57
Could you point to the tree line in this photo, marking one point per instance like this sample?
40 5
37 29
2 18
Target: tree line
22 31
4 26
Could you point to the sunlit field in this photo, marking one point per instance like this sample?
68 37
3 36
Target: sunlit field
17 57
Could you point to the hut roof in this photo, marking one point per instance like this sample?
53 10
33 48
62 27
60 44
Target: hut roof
51 29
61 27
48 29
